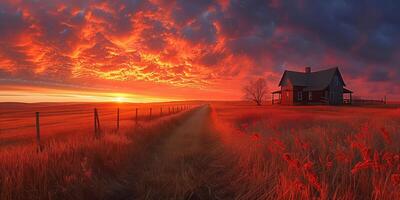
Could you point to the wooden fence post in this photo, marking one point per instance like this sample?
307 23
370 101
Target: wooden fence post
96 124
136 116
39 145
150 114
117 119
161 112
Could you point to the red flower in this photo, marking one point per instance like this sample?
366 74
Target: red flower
365 153
386 136
376 160
362 165
388 158
395 179
279 144
256 136
287 157
313 179
308 166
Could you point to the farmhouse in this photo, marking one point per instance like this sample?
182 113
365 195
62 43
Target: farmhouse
320 87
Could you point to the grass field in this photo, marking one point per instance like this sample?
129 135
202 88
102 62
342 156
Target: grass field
310 152
220 150
73 164
17 120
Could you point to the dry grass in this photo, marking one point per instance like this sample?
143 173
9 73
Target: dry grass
310 152
231 151
60 120
79 167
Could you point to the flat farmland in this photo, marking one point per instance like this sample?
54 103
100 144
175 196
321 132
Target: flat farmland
305 152
214 150
18 120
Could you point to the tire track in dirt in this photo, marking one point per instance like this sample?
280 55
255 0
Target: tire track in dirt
177 166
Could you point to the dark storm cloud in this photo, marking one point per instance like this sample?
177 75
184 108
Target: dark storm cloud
244 18
184 11
295 31
202 30
378 74
154 35
11 22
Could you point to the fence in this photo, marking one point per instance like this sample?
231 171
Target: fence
365 101
64 119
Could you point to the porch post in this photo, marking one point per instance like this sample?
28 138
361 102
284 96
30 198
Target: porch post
351 98
273 97
280 98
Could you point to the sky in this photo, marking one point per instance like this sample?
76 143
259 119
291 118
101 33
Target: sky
163 50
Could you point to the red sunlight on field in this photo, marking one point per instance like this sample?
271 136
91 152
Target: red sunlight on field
207 99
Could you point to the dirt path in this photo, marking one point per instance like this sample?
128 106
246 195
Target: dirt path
178 166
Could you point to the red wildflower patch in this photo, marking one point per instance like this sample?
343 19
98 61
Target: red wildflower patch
395 179
386 136
366 154
343 157
308 166
313 179
291 161
301 144
245 126
362 165
279 144
256 136
377 164
389 159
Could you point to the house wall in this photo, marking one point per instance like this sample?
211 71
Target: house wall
316 97
336 91
296 100
287 93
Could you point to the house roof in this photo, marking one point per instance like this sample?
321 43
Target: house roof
313 81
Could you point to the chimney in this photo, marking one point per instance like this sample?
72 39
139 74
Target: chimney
308 70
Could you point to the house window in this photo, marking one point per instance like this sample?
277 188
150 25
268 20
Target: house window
300 96
309 95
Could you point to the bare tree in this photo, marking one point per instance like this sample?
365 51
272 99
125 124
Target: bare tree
256 91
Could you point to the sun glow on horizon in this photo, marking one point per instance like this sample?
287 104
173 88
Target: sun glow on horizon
36 95
120 99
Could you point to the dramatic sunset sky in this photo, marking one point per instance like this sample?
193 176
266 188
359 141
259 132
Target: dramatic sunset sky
157 50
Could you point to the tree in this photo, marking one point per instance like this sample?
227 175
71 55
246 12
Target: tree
256 91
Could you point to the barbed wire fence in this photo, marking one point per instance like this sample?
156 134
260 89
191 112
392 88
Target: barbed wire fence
100 117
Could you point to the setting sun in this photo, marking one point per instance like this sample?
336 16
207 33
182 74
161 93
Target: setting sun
119 99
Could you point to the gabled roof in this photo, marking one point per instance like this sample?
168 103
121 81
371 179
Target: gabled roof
313 81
